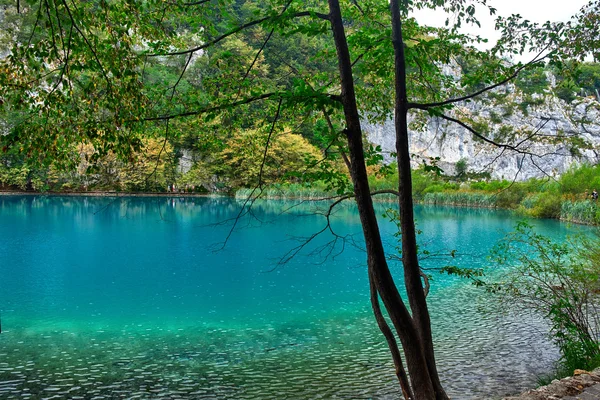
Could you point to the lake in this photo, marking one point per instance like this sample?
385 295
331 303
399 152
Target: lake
155 297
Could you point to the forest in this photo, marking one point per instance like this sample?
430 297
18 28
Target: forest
223 155
217 96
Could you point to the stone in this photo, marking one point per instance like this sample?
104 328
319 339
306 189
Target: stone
453 143
584 385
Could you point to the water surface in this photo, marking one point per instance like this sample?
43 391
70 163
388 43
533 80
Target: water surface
142 298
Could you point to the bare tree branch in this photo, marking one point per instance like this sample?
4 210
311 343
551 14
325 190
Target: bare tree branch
254 61
427 106
251 198
35 25
482 137
260 51
264 159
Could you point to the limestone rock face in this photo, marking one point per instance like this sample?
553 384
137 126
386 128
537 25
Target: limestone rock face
186 161
552 120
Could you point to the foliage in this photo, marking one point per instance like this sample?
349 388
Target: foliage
312 191
560 282
461 167
543 205
565 198
583 212
199 178
22 177
588 78
491 186
421 180
567 91
147 170
577 79
580 179
77 74
256 156
533 81
459 199
538 198
150 169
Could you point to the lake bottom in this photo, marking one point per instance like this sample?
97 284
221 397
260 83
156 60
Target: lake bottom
342 355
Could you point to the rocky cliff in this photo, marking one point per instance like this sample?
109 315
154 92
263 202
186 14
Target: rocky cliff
548 136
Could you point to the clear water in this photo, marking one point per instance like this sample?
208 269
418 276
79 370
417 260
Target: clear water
137 298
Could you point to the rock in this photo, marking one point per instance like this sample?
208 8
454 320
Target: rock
580 372
558 389
453 143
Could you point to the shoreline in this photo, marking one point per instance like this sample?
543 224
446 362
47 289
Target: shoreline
585 383
108 194
200 195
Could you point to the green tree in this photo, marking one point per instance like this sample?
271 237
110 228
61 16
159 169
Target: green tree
461 168
83 79
278 157
533 81
588 78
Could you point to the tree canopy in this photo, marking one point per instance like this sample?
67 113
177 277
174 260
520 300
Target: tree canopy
114 75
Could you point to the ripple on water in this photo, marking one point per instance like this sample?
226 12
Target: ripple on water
480 355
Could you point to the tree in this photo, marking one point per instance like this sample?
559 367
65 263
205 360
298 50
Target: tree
243 159
84 80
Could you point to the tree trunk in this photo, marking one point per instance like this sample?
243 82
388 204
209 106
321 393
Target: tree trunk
410 260
379 272
391 340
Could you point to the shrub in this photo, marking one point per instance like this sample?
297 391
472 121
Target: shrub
533 80
461 167
490 186
421 181
510 197
579 179
559 282
585 212
460 199
288 158
546 205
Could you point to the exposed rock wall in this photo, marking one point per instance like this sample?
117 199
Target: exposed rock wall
551 121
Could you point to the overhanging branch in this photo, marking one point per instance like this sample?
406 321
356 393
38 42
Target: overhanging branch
427 106
219 107
482 137
238 29
213 108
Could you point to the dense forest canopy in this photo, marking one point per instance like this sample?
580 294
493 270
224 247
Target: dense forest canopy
85 81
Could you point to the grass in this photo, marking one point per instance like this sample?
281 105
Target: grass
563 198
469 199
583 212
289 191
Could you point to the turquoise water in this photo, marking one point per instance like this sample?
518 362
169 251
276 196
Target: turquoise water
139 297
